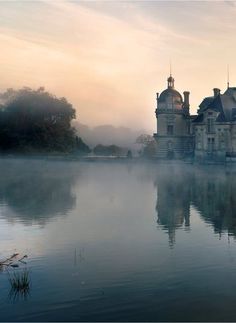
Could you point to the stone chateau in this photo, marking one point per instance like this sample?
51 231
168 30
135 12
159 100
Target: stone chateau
208 136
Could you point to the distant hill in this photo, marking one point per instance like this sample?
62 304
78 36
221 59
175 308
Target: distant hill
107 135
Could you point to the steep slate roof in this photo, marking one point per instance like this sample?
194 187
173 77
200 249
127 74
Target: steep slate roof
225 104
216 104
213 103
228 103
234 114
221 118
205 102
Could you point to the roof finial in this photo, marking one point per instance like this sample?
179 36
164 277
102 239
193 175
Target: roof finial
227 76
170 80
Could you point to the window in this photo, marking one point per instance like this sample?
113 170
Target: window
188 128
199 141
210 144
210 125
170 145
170 130
221 140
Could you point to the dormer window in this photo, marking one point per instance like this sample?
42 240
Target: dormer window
210 125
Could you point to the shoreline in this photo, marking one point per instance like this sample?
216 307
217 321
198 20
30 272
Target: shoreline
113 159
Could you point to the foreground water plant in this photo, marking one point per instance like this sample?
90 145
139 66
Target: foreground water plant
20 280
20 283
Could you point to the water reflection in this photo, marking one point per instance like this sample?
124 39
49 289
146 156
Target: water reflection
213 194
106 244
210 190
16 295
173 200
36 191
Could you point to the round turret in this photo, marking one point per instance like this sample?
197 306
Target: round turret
173 122
170 98
170 95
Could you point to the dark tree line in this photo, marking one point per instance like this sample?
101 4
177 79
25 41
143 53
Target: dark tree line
81 146
111 150
35 120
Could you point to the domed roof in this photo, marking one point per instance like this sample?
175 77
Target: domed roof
170 92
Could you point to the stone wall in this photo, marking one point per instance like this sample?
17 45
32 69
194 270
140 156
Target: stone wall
174 147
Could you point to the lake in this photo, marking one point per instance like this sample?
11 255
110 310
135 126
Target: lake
118 241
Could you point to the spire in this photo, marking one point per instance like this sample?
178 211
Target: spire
170 80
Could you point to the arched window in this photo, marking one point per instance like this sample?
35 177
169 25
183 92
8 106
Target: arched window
170 130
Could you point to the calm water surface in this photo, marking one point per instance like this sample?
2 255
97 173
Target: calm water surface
119 242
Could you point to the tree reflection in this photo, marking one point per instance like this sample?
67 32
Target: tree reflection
36 191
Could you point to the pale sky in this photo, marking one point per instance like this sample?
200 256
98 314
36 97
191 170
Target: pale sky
109 58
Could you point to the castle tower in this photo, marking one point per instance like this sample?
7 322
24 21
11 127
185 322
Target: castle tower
173 137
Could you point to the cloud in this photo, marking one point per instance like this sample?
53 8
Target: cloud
109 59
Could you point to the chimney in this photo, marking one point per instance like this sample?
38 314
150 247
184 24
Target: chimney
186 99
216 92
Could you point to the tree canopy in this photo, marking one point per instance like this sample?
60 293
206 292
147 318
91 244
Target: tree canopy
111 150
144 139
35 120
81 146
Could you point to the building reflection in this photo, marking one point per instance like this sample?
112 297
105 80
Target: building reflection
173 200
213 195
209 190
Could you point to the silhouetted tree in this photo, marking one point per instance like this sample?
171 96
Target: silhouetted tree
144 139
35 120
149 150
81 146
111 150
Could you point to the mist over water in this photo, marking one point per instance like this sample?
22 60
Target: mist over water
109 135
119 241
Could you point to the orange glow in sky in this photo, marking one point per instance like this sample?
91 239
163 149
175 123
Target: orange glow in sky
110 58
